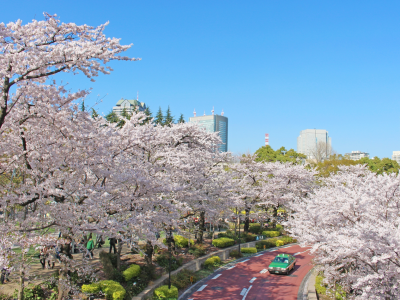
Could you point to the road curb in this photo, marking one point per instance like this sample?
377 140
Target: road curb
307 286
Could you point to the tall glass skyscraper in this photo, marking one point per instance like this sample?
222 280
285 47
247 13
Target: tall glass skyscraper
214 123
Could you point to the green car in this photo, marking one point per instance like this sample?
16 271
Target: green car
282 264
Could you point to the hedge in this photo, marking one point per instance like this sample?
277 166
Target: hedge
112 289
249 250
164 293
269 243
180 241
271 233
235 254
255 228
132 271
223 242
212 261
280 243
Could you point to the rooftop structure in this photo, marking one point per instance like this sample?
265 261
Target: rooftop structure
129 106
396 156
356 155
214 123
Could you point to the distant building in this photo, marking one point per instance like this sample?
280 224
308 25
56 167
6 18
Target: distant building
129 106
356 155
396 156
214 123
314 142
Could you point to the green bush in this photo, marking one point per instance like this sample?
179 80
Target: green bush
182 279
279 227
212 261
269 243
255 228
248 237
271 233
164 293
137 284
112 289
163 261
198 250
228 234
287 239
92 288
235 254
132 271
182 242
223 242
249 250
280 243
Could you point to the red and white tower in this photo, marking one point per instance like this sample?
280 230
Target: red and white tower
266 139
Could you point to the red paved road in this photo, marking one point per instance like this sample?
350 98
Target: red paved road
230 283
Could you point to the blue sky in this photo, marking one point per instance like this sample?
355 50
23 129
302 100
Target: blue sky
274 67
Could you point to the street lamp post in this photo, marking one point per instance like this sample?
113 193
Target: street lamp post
169 239
239 233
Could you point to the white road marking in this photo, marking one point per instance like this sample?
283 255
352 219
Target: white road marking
216 276
252 280
263 271
244 261
258 255
243 292
231 267
244 297
300 252
202 288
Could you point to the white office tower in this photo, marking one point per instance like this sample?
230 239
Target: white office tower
356 155
396 156
315 143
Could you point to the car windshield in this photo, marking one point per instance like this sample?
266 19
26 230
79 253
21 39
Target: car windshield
281 260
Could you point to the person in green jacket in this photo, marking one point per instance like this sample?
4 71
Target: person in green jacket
90 247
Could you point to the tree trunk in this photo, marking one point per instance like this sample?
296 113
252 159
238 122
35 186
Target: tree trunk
65 250
274 214
149 253
201 228
247 220
119 250
21 281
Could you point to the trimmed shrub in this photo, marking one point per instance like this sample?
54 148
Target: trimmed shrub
180 241
223 242
255 228
112 289
271 233
280 243
147 273
132 271
248 250
235 254
92 288
287 239
198 250
248 237
269 243
279 227
212 261
182 279
163 292
229 234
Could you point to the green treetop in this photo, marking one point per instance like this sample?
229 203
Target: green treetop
159 119
267 154
379 166
169 119
181 119
83 108
94 113
112 117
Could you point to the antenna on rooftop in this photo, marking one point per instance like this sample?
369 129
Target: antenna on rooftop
204 113
137 96
222 113
194 112
212 111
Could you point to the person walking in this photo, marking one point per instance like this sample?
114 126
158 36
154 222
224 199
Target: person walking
4 275
113 241
42 256
89 247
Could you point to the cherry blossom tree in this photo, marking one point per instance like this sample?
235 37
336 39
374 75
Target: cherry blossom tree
352 223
